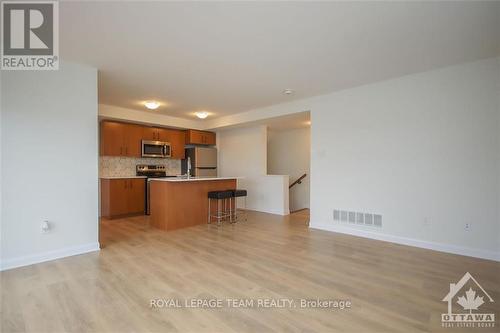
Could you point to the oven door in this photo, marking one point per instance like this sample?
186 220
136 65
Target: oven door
154 149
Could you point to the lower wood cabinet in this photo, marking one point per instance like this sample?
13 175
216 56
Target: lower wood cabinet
122 196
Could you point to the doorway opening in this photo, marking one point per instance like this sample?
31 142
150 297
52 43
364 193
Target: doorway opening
289 153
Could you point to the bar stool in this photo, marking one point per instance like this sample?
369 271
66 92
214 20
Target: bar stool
238 194
222 199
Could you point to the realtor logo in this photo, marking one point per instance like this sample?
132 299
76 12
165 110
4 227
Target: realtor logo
30 36
469 299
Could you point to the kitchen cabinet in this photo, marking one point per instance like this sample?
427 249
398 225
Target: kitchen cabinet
150 133
195 137
177 141
176 138
120 139
154 134
122 196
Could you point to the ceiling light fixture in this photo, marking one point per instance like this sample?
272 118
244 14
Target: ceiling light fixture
288 91
152 105
201 115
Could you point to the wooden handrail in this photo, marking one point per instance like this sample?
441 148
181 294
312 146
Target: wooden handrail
298 181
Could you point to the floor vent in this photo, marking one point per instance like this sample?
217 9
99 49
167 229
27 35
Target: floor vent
360 218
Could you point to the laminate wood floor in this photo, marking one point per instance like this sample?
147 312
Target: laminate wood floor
392 288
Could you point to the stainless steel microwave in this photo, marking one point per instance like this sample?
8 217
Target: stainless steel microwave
158 149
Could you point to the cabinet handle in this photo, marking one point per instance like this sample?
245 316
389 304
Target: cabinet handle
126 150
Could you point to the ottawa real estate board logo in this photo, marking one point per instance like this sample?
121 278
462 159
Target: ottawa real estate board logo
30 35
469 296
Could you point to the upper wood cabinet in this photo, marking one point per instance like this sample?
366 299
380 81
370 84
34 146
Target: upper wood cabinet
155 133
120 139
150 133
175 137
177 141
195 137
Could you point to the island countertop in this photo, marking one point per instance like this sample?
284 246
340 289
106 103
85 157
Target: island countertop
191 179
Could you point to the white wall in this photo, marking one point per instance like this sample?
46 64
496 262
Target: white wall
420 147
243 153
423 146
266 193
49 164
289 153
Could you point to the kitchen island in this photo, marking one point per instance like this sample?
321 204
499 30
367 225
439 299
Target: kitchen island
183 202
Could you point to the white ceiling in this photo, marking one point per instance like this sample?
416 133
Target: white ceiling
230 57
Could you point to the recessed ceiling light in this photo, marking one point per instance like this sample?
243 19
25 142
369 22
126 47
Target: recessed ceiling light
288 91
201 114
152 105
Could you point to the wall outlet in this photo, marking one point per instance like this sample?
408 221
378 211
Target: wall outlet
45 227
467 226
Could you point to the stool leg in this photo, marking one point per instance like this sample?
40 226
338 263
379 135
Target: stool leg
231 210
225 210
245 207
218 212
209 212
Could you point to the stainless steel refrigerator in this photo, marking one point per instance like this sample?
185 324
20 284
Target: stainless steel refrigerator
203 162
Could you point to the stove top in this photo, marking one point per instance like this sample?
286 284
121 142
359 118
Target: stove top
152 171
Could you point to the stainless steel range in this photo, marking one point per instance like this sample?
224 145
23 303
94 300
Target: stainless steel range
151 171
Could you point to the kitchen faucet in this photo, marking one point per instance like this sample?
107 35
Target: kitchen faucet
189 167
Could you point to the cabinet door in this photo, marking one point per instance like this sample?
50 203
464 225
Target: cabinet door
118 193
149 133
163 134
132 140
136 195
194 137
177 140
200 137
209 138
112 136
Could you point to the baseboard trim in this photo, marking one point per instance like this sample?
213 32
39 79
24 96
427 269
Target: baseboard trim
447 248
298 210
47 256
282 213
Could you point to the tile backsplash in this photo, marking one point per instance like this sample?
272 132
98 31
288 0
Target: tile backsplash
112 166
